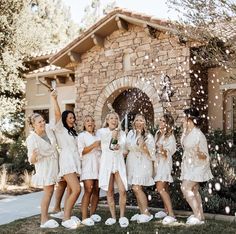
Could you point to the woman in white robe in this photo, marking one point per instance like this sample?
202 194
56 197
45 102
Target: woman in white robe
69 160
112 167
165 147
141 154
90 154
41 145
195 165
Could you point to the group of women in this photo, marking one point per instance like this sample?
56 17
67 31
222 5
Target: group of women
109 159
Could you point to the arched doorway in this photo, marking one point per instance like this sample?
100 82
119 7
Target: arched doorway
131 102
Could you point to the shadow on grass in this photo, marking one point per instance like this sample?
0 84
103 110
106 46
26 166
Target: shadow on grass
31 225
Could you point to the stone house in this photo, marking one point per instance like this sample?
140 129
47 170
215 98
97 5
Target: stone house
136 63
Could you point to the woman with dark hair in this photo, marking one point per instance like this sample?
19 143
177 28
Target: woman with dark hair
90 154
42 152
195 167
69 161
165 148
141 152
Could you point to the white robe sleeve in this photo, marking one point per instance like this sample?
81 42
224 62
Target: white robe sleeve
203 147
150 143
81 144
170 146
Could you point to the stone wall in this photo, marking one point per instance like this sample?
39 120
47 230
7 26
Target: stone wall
132 59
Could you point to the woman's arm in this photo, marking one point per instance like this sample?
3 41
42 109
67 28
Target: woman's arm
89 148
57 110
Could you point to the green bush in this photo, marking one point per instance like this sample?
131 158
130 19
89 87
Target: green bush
18 157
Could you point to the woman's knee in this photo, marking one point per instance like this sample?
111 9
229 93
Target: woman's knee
136 189
76 190
122 192
160 188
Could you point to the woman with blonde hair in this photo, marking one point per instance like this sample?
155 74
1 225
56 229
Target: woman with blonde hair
141 153
165 148
195 167
112 167
90 153
41 145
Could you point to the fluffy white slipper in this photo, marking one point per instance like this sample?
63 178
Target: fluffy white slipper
194 221
58 215
110 221
70 224
96 218
191 216
50 224
134 217
143 218
168 220
88 222
124 222
76 219
160 215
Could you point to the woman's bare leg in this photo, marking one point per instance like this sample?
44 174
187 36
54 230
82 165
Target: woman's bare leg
110 197
74 185
88 188
141 198
162 189
122 194
48 192
95 197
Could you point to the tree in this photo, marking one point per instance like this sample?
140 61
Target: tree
27 26
212 23
95 10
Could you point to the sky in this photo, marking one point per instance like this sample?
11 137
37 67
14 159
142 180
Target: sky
156 8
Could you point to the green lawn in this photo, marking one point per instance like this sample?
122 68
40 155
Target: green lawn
31 225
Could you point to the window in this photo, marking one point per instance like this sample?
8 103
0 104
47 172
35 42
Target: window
44 113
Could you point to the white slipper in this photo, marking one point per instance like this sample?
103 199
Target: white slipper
58 215
110 221
96 218
194 221
191 216
143 218
134 217
160 215
76 219
88 222
124 222
168 220
70 224
50 224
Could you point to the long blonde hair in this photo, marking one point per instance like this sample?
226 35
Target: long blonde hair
31 119
145 131
105 124
84 120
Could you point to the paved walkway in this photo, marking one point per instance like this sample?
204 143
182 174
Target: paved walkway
23 206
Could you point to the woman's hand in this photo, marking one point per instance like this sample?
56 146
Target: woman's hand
54 94
162 151
34 156
115 133
200 154
117 147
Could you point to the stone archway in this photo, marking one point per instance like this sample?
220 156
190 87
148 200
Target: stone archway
131 102
116 87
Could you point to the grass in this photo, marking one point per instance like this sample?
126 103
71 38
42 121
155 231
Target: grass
31 226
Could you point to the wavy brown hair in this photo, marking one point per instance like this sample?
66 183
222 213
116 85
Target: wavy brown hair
169 120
